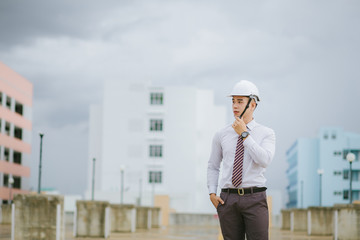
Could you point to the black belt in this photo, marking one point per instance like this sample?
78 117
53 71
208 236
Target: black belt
242 191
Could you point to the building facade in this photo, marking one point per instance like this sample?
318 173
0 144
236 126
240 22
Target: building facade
318 172
151 141
16 95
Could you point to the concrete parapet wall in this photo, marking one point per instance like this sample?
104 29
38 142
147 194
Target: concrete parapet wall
36 217
69 218
143 217
91 218
194 219
5 217
300 220
155 217
321 220
285 219
123 218
348 223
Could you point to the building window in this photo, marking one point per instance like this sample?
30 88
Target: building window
346 194
6 180
337 173
155 177
355 175
19 108
7 128
337 193
18 133
17 157
337 153
356 195
7 154
8 102
155 151
156 124
17 182
326 136
333 136
156 98
1 98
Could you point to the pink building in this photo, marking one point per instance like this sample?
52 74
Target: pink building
16 95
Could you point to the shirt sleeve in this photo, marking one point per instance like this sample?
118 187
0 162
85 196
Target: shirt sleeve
262 153
214 164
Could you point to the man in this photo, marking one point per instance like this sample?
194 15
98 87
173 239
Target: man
245 149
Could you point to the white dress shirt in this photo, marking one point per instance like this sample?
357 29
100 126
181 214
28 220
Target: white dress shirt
259 150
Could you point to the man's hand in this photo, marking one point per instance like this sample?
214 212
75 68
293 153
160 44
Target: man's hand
239 125
215 200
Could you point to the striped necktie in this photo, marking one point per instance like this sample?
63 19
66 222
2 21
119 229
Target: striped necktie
238 163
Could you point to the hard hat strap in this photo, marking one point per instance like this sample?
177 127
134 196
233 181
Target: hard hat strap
247 105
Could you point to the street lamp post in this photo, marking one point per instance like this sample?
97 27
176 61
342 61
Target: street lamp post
140 191
122 184
41 140
11 182
320 172
350 157
153 178
302 193
93 180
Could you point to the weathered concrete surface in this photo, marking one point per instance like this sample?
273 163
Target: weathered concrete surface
35 216
300 220
348 222
322 220
143 217
5 214
194 219
285 219
155 217
90 218
180 232
123 218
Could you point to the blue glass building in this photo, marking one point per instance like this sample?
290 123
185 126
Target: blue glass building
318 172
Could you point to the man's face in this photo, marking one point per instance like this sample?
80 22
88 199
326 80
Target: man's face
239 104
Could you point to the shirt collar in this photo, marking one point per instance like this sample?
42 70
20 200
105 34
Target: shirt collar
251 124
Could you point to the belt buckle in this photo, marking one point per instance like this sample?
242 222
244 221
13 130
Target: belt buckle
241 191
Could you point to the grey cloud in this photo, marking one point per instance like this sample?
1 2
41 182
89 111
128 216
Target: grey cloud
24 21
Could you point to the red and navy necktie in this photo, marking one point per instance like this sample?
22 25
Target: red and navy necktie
238 163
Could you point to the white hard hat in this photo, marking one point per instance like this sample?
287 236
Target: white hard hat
247 89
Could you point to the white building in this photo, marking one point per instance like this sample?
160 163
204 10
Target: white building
160 137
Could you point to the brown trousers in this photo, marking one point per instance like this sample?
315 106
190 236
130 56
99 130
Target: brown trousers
247 214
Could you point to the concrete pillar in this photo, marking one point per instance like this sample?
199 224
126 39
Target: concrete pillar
143 218
348 222
123 218
92 219
285 219
5 217
299 220
38 216
155 217
321 221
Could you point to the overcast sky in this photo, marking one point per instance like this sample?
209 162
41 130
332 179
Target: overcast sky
303 55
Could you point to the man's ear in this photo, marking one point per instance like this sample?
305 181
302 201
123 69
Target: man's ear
253 104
